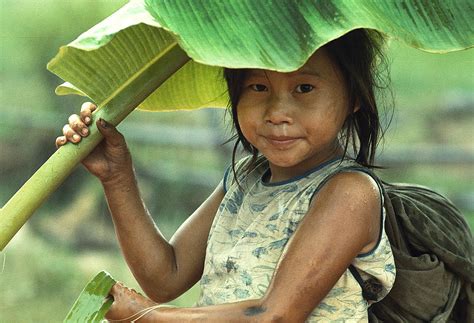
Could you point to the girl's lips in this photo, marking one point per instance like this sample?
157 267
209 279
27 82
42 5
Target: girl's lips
281 141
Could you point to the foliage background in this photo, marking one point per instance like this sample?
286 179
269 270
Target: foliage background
179 156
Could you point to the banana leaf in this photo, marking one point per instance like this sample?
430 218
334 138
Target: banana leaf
139 57
93 303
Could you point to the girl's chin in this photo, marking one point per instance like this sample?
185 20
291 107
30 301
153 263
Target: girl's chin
286 164
297 166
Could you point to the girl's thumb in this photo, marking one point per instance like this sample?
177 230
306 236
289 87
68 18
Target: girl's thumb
109 132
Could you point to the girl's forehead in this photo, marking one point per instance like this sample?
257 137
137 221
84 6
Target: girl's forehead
318 64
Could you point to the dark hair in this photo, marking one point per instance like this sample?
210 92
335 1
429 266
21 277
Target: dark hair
359 56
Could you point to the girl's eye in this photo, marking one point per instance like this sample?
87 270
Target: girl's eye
304 88
258 87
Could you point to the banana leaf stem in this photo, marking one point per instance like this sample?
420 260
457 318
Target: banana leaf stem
60 165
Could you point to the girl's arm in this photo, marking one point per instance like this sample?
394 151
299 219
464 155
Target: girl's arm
163 269
343 221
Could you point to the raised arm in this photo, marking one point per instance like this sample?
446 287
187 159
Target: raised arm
343 221
163 269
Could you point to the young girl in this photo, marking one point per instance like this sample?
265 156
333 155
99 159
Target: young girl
292 230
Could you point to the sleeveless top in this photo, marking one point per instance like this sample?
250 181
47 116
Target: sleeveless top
251 229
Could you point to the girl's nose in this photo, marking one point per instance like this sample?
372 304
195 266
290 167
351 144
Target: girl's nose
278 112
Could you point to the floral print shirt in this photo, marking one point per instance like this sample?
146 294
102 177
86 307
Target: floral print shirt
251 229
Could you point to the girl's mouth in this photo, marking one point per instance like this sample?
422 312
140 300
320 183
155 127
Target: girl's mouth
281 141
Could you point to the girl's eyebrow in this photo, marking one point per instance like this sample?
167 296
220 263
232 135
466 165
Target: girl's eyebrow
256 73
303 71
308 71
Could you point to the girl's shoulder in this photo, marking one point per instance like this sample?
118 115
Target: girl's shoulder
346 166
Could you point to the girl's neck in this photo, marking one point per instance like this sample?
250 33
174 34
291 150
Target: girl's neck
280 174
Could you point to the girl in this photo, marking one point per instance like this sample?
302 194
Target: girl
292 229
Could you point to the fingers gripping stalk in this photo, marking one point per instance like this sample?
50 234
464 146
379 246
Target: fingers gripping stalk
111 157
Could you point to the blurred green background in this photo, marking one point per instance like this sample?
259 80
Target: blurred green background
179 156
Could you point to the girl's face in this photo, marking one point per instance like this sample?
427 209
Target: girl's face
294 118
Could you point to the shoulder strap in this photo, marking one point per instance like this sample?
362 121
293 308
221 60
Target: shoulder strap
370 288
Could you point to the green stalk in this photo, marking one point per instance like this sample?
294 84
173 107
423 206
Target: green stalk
59 166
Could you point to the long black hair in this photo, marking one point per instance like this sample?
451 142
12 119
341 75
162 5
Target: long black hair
359 56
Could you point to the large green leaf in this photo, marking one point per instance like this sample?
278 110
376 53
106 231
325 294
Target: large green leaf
270 34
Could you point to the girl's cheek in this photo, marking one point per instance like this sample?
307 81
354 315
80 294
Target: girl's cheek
244 100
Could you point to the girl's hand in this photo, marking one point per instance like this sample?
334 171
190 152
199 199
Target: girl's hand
110 160
128 305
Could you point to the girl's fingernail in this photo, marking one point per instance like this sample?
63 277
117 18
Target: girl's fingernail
85 131
76 137
87 120
102 122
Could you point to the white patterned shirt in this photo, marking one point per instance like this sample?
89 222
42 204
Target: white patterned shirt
251 230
